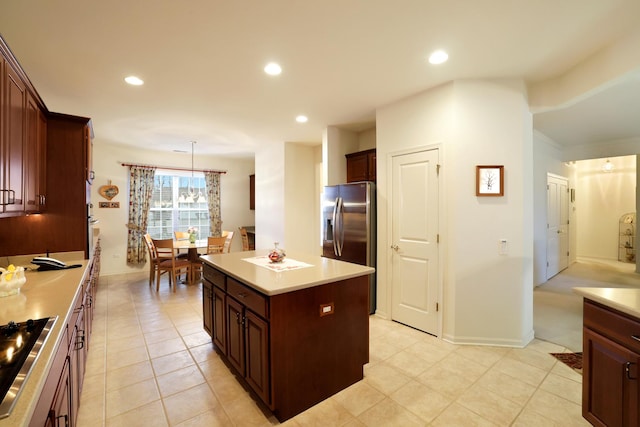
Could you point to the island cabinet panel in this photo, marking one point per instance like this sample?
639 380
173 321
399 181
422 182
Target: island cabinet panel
257 351
319 343
235 334
218 320
611 368
207 307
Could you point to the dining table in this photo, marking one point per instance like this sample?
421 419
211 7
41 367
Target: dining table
192 247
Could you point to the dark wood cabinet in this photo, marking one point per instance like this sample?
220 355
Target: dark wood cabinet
247 343
45 164
60 413
611 368
35 158
235 336
207 307
361 166
59 400
252 192
13 137
21 140
256 343
219 323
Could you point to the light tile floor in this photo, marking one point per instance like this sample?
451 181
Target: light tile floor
151 364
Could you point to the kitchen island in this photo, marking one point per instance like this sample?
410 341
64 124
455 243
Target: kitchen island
294 332
611 356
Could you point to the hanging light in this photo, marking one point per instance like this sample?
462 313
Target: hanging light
608 166
192 192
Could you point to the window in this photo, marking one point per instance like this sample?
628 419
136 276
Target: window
178 202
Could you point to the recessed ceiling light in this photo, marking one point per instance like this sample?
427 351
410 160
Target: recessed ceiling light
273 69
438 57
133 80
302 119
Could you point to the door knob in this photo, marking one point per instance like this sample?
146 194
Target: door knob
395 247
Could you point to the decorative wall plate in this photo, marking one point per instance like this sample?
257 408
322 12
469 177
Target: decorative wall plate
108 191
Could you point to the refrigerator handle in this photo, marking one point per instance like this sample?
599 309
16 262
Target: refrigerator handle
335 227
340 227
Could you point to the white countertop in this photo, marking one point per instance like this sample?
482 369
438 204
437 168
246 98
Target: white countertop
45 294
626 300
269 282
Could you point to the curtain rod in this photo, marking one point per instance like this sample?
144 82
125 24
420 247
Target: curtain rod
172 168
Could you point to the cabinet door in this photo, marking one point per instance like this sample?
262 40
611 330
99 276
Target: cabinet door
219 329
14 143
357 167
610 382
207 307
88 142
257 347
371 161
33 156
235 336
252 192
60 413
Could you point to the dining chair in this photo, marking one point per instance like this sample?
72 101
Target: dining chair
215 245
154 262
181 235
245 238
168 260
227 242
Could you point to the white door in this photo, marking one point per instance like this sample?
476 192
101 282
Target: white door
414 235
557 224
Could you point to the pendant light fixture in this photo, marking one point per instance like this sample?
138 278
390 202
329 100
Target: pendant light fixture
192 192
608 166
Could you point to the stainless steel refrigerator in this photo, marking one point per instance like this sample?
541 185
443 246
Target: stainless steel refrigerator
349 227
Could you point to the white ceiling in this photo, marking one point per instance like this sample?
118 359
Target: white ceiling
202 63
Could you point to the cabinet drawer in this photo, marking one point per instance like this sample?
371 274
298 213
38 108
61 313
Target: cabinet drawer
214 276
251 299
613 324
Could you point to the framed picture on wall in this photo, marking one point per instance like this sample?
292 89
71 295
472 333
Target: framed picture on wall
490 181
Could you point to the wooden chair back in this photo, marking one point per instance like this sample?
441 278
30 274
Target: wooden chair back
227 242
245 238
181 235
153 259
215 245
150 247
168 260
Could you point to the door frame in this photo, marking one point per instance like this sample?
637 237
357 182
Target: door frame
387 252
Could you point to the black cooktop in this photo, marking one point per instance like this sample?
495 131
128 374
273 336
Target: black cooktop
19 347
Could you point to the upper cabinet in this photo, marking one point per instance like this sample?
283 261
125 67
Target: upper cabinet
361 166
22 141
252 192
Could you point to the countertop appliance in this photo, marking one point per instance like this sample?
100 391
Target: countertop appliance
20 345
349 227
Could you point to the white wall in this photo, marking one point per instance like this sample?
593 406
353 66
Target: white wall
601 199
302 200
270 196
287 197
336 143
234 196
367 139
487 297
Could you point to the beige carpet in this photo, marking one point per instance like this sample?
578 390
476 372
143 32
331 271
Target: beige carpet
557 311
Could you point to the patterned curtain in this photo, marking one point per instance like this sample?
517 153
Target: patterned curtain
212 180
140 191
